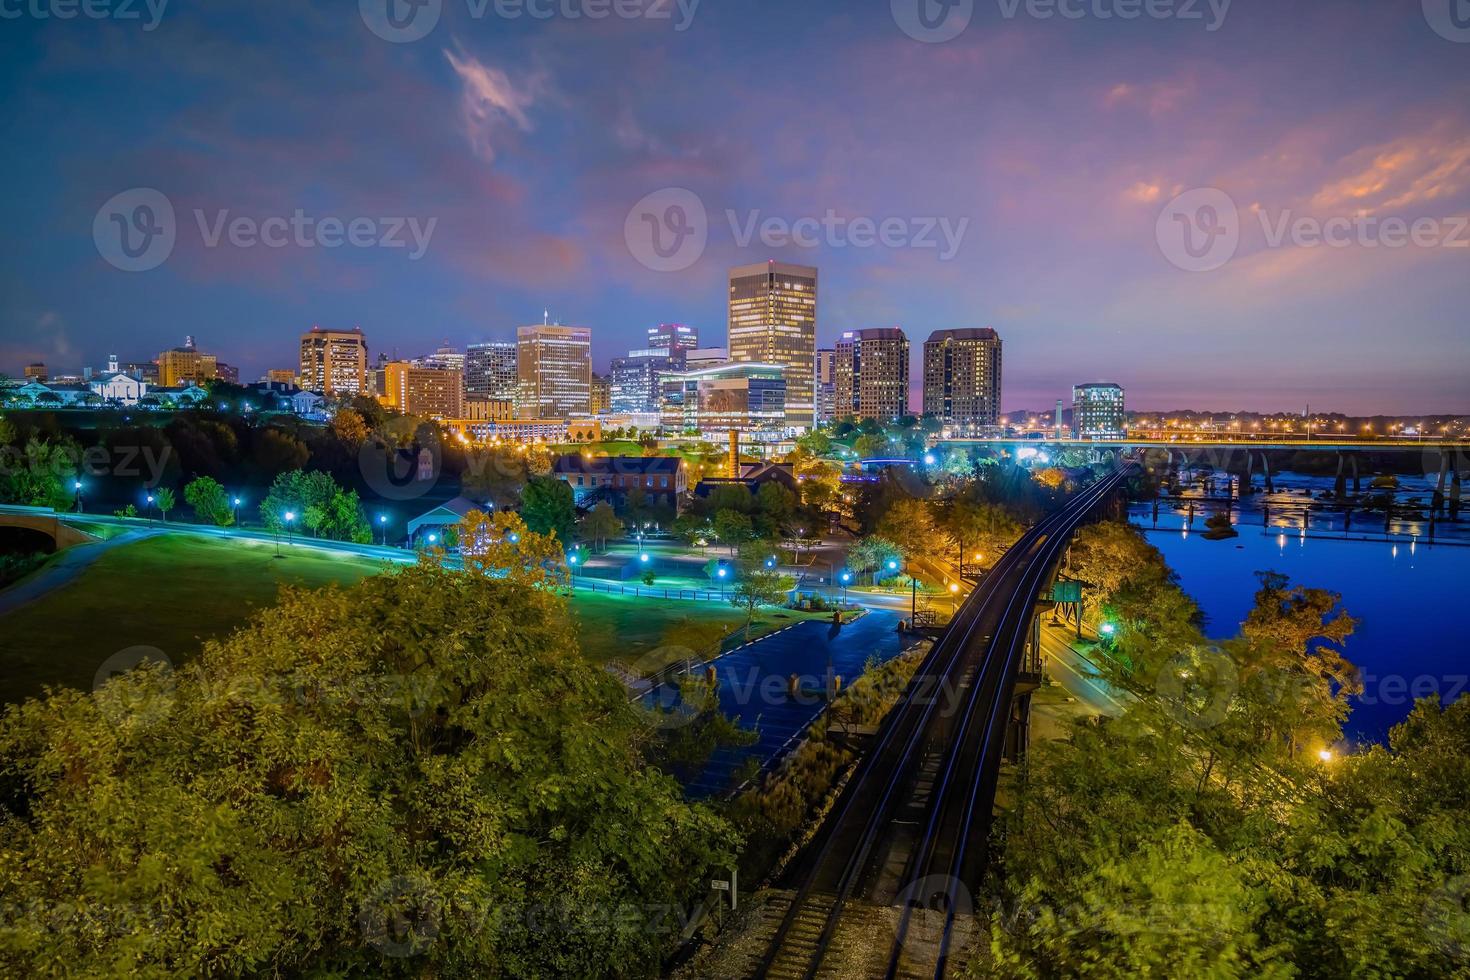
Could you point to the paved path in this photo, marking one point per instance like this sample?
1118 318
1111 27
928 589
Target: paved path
753 686
64 569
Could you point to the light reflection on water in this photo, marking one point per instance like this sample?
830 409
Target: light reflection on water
1406 594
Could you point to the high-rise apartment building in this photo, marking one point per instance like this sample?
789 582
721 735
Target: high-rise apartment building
962 376
186 364
674 339
773 320
825 381
871 374
435 393
446 358
1097 411
554 367
490 370
334 362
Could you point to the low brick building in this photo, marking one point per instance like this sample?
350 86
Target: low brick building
610 478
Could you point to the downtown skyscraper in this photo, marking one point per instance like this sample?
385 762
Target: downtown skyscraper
490 370
554 368
871 375
773 320
962 376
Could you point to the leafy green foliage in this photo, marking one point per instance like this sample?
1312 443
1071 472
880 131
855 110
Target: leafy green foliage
417 776
319 505
548 508
210 501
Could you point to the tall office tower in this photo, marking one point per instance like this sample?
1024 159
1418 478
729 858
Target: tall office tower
773 320
334 362
490 370
732 398
600 394
962 376
1097 411
826 384
673 338
181 365
436 393
637 380
554 367
446 358
871 374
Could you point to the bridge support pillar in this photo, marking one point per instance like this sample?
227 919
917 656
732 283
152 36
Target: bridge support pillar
1339 486
1437 507
1266 468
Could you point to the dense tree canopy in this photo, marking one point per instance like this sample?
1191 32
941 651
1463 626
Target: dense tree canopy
417 776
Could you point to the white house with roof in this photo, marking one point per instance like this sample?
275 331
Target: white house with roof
119 389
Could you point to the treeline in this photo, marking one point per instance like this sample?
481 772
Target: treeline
1219 827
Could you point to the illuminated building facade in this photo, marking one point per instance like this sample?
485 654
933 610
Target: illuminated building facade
871 374
773 320
962 377
334 362
1097 411
554 366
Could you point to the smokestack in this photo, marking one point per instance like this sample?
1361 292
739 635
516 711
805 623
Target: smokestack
734 455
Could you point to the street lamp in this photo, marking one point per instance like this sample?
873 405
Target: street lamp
383 524
846 577
236 511
77 486
290 527
150 506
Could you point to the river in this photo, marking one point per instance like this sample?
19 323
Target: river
1404 590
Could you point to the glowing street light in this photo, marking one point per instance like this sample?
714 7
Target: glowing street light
77 486
1325 755
383 524
235 509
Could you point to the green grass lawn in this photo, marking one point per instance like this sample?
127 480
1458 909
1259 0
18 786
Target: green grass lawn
103 531
174 591
616 627
171 592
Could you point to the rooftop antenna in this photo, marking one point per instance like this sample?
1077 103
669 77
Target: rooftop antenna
546 318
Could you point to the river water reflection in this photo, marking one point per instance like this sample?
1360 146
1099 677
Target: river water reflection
1405 592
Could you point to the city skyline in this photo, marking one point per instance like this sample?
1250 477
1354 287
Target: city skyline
534 141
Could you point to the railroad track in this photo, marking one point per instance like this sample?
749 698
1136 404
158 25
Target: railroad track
906 838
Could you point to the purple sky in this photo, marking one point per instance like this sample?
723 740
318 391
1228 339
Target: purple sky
1058 142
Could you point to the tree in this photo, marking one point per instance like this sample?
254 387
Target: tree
871 446
548 508
502 545
210 501
33 476
349 787
600 524
348 428
732 527
909 523
872 553
757 587
163 499
495 476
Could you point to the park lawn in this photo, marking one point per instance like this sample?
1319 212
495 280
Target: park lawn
170 592
629 629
